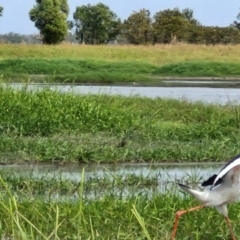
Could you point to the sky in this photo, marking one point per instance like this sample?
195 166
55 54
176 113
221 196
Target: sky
210 13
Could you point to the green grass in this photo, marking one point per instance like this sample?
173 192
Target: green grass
102 71
69 70
113 218
199 69
25 215
49 126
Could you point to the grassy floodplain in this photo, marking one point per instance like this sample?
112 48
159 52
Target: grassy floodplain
49 126
46 126
114 64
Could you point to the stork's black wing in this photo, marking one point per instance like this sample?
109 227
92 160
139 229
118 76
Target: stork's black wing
211 180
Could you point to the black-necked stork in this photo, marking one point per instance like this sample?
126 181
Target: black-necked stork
225 188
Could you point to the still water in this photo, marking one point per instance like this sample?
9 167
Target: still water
75 171
166 174
203 94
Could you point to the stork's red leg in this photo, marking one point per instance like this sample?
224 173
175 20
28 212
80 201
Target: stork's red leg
177 216
230 228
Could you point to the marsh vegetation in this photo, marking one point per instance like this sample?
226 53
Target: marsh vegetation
49 126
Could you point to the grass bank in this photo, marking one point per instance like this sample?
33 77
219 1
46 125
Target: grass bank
49 126
23 215
102 71
113 64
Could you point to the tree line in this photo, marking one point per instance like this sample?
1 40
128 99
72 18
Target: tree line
98 24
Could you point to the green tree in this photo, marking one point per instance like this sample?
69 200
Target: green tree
169 24
50 17
214 35
188 14
138 27
95 24
1 11
236 24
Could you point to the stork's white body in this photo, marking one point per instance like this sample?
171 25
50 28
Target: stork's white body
219 196
225 189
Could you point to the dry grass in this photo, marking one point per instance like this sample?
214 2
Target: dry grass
159 54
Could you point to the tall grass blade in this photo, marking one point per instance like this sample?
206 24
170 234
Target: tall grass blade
141 222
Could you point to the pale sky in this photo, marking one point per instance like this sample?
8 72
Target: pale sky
212 12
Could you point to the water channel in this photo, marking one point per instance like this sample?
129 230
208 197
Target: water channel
217 94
